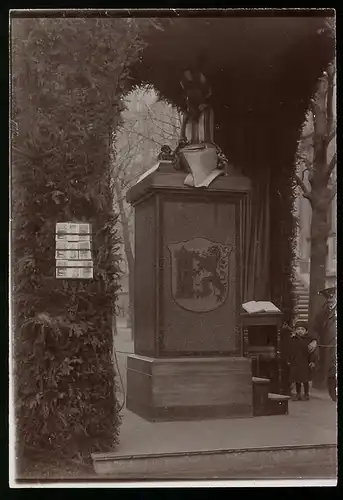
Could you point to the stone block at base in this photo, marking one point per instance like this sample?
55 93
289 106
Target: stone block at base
189 388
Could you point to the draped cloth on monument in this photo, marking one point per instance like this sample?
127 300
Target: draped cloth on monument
255 243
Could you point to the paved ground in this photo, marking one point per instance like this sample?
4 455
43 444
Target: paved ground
321 469
123 345
303 464
312 422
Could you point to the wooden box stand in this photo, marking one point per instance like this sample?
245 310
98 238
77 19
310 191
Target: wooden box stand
188 360
262 345
189 388
260 396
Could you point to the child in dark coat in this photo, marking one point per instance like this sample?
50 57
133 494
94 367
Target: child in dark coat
301 359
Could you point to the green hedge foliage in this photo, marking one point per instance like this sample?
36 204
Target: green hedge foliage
68 79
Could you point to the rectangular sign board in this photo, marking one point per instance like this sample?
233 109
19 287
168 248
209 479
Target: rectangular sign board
73 237
73 252
73 228
85 254
74 263
67 254
73 245
74 272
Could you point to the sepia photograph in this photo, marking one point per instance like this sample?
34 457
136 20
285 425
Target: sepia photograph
173 248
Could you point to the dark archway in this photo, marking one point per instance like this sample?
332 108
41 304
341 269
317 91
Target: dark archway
263 72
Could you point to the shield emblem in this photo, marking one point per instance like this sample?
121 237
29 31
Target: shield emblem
199 274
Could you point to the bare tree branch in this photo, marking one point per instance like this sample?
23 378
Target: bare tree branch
307 136
121 161
148 138
157 122
329 100
333 192
312 107
306 193
319 109
331 135
331 166
308 165
307 169
152 126
304 159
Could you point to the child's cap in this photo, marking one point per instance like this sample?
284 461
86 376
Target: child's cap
301 324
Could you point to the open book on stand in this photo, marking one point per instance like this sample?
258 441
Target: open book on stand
259 307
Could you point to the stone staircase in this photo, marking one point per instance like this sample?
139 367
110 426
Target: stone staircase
302 300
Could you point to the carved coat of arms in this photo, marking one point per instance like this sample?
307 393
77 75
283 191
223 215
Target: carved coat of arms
199 274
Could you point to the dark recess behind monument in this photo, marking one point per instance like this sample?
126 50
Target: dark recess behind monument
263 72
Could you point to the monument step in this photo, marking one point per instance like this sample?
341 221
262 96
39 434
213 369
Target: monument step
301 289
228 446
278 397
265 402
304 304
301 310
277 404
260 380
223 463
168 389
260 396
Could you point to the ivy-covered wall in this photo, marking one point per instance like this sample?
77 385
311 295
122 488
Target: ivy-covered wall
68 78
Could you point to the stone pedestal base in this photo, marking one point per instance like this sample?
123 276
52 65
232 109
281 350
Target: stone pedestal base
189 388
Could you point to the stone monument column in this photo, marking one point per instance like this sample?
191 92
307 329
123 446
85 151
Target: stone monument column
188 360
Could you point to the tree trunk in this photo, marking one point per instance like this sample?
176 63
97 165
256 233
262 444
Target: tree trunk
130 318
128 253
114 325
319 199
319 237
319 250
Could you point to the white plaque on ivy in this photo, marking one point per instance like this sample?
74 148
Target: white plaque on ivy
72 237
74 272
73 252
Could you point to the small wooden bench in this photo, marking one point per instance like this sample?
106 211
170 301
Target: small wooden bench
266 402
277 404
260 393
